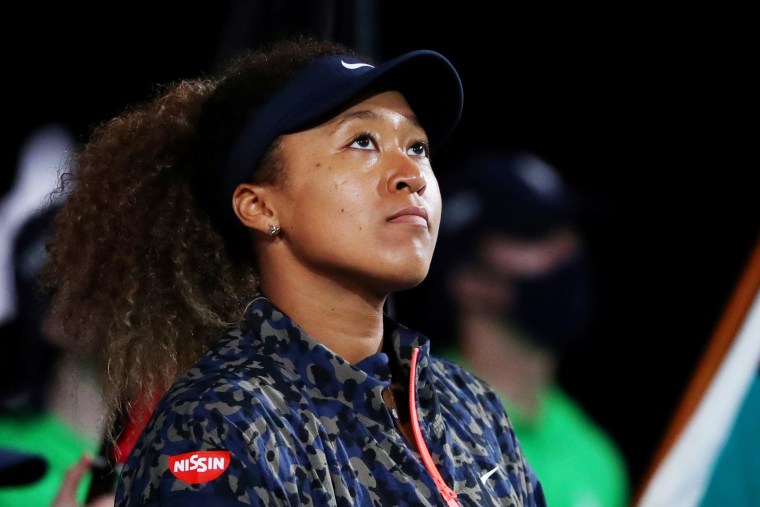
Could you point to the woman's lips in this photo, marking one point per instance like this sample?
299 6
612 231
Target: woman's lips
410 215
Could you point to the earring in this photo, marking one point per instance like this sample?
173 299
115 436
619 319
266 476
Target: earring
274 230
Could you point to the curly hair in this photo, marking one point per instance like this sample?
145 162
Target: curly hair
140 271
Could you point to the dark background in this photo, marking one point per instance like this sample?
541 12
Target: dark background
648 112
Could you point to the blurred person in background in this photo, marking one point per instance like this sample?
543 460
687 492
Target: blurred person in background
512 265
50 403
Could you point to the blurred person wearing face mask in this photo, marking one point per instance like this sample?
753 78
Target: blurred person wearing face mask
512 264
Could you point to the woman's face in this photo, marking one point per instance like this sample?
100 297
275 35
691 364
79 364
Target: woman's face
359 203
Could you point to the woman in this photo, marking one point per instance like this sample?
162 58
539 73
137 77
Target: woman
278 207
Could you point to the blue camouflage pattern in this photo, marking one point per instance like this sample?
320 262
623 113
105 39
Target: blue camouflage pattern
305 427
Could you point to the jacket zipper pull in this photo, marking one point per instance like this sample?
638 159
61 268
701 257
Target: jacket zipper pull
390 403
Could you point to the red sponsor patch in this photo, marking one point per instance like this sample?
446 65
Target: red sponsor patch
199 466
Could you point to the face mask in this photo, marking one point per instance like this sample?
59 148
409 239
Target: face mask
554 309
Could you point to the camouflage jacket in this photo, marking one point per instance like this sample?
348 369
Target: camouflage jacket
271 417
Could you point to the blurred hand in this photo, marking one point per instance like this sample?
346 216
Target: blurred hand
67 494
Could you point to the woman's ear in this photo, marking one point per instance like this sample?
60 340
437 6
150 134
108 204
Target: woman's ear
249 201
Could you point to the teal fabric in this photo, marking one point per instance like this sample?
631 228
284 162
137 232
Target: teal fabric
735 480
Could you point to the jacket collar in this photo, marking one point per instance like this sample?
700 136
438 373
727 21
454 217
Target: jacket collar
278 337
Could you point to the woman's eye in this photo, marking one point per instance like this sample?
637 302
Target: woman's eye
362 142
419 150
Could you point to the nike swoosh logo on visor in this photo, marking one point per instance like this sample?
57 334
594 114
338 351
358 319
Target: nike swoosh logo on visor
353 66
485 476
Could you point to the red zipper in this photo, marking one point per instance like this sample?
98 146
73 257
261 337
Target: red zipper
448 493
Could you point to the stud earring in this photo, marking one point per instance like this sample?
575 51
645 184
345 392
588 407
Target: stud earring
274 230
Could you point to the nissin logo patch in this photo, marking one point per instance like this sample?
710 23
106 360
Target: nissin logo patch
200 466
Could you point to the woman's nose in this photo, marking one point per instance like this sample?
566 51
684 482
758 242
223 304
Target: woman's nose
407 176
